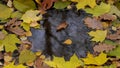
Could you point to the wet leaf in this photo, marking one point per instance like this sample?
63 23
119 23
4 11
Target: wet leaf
68 42
98 35
99 9
61 26
98 60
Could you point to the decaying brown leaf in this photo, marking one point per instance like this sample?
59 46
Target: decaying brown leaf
61 26
108 17
103 47
2 35
93 23
14 26
46 4
114 36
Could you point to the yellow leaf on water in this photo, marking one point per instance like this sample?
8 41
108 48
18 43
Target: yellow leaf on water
68 42
59 62
82 3
98 60
99 35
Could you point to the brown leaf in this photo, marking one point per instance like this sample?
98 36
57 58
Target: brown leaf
114 36
93 23
61 26
2 35
108 17
103 47
13 26
46 4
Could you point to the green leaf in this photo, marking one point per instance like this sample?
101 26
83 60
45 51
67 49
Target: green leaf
109 42
61 5
26 56
99 9
10 42
115 52
5 12
16 14
24 5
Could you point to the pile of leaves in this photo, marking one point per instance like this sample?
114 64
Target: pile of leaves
59 33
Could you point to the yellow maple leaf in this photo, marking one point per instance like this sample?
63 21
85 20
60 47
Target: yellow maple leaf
11 65
31 16
99 35
98 60
58 62
82 3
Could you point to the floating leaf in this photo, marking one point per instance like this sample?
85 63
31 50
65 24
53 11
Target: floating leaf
98 60
61 5
5 12
99 9
99 35
26 56
24 5
11 65
61 26
26 26
9 42
82 3
58 62
68 42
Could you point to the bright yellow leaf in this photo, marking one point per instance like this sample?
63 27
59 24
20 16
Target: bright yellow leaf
58 62
68 42
82 3
98 60
99 35
11 65
31 16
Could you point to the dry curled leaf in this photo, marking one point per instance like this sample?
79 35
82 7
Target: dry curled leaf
103 47
93 23
61 26
108 17
114 36
13 26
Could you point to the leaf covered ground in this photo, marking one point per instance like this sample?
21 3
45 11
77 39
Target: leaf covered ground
59 33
